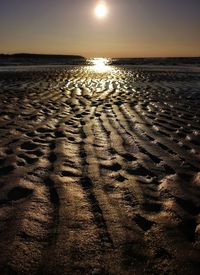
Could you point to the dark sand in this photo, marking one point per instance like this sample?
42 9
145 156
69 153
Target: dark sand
99 171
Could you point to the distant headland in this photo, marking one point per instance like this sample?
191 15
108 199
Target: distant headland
34 59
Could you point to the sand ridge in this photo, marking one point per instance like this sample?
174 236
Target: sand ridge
99 171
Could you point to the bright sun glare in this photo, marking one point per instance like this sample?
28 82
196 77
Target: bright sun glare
100 65
101 9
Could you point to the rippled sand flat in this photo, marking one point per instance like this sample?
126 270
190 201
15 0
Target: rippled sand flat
99 171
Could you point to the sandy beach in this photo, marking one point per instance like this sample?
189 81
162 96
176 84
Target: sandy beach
100 170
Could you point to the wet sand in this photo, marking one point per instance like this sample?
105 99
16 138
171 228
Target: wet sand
99 171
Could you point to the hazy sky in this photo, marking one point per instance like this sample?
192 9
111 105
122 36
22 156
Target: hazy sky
133 28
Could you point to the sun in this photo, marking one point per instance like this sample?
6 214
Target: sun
101 10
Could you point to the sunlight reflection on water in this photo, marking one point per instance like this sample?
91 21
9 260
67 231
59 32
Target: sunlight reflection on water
100 65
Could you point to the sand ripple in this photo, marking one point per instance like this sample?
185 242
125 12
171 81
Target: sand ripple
99 171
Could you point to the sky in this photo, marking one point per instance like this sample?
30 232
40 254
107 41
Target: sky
132 28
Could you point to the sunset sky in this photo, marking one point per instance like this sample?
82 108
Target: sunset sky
132 28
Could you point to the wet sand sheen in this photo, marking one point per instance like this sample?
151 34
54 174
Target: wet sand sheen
99 171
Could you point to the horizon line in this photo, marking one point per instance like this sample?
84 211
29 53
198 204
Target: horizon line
121 57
